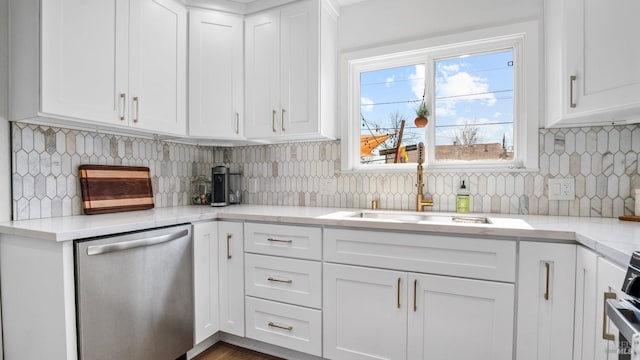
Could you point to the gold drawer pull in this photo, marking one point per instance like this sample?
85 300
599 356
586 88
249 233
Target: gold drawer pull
278 280
279 240
398 293
288 328
572 81
546 292
605 335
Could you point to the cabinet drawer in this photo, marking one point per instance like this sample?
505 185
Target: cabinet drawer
429 253
283 240
289 326
288 280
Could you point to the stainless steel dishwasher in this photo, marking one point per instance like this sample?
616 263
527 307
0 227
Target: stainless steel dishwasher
135 295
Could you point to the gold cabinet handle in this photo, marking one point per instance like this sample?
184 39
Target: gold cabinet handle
280 240
123 109
546 291
280 281
237 123
398 293
136 104
288 328
273 121
282 118
572 81
229 246
415 295
605 335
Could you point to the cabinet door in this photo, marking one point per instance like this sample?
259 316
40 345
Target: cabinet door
455 318
585 311
603 53
84 59
205 279
231 277
158 69
609 281
546 301
262 71
215 75
364 312
300 69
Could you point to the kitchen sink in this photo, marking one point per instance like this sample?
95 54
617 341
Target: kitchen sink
420 217
414 217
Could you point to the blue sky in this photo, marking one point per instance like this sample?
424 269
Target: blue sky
477 89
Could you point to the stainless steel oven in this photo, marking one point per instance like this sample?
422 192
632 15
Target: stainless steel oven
625 313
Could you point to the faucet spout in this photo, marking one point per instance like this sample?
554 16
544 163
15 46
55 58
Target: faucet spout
421 201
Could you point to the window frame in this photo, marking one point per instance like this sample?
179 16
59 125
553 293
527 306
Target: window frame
522 38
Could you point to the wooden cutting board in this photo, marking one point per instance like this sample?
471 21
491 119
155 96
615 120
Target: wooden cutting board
630 218
110 188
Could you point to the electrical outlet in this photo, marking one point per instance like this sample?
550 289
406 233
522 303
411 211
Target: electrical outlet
562 189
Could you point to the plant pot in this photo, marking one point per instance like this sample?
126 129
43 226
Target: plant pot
421 121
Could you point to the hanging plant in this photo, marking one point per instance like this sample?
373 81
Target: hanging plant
421 115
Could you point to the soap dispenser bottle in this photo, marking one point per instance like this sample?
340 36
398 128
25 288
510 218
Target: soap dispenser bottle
462 200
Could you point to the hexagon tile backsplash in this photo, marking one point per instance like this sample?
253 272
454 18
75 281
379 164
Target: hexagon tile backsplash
603 160
45 167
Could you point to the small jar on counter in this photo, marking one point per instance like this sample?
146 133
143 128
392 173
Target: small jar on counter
201 190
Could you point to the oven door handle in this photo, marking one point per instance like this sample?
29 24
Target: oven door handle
615 309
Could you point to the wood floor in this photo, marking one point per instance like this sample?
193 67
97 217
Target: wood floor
224 351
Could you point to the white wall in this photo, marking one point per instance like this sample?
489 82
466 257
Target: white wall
5 168
380 22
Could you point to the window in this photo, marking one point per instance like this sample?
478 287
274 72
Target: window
481 90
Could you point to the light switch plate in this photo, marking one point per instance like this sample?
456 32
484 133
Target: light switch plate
562 189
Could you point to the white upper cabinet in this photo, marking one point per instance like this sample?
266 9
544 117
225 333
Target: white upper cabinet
215 75
158 68
591 64
290 69
83 59
120 63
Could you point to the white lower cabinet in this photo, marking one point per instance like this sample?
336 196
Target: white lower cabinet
365 313
546 296
383 314
218 275
283 284
231 277
608 284
293 327
205 280
586 312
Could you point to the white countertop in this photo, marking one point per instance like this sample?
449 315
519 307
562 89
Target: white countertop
610 237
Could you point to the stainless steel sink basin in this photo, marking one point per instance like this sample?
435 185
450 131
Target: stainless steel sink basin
419 217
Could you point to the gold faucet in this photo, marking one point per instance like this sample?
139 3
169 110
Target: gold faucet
421 202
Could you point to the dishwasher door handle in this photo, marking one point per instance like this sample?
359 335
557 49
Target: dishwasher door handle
131 244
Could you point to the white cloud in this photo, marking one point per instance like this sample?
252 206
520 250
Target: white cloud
497 114
462 83
417 81
390 81
366 104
